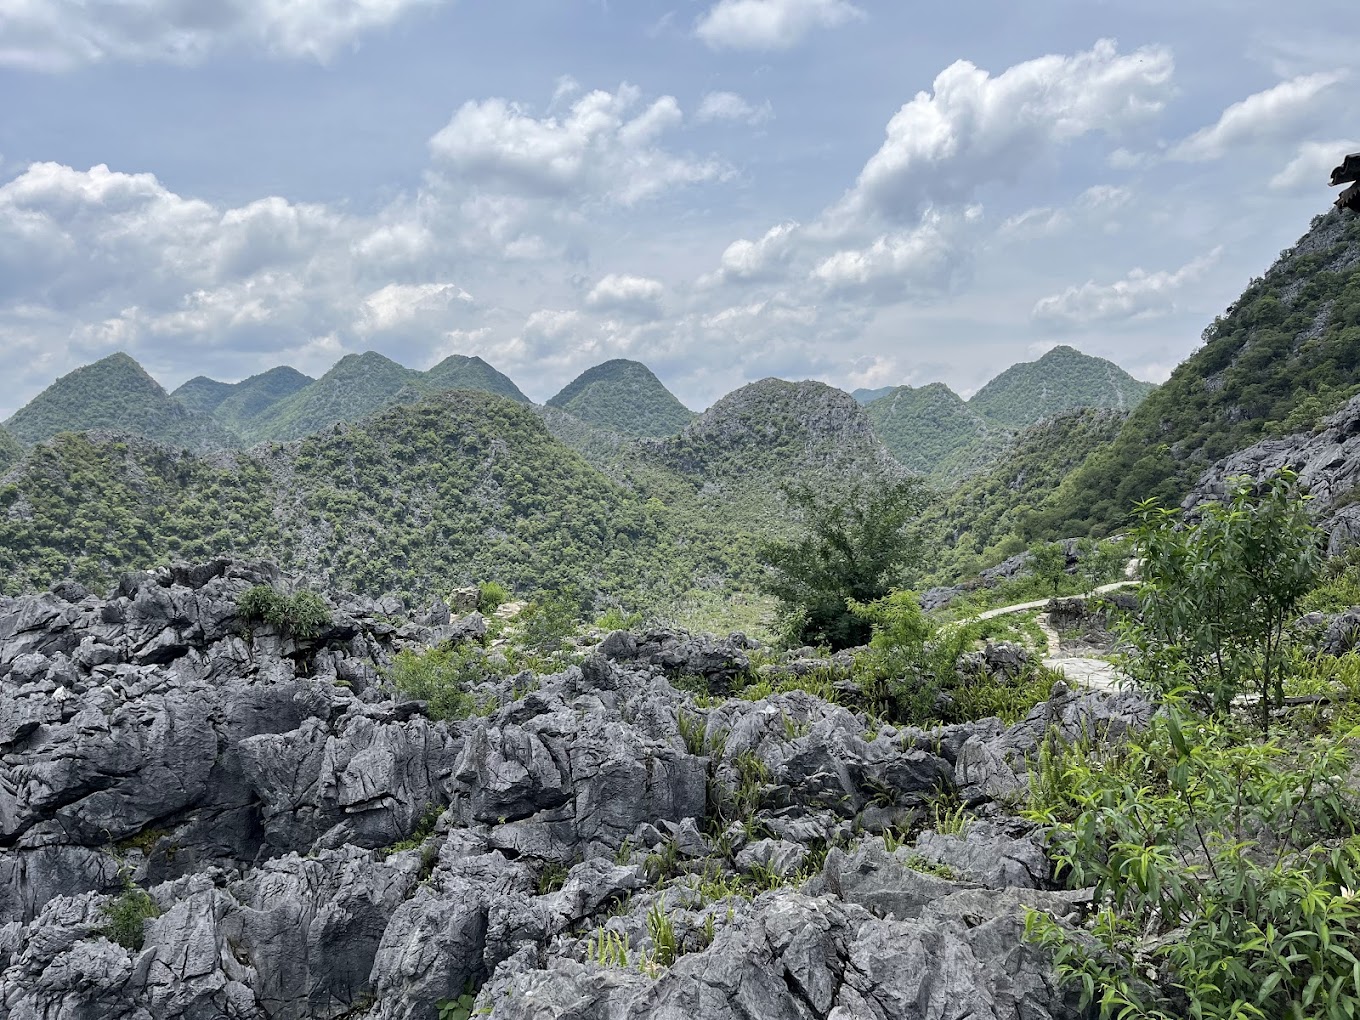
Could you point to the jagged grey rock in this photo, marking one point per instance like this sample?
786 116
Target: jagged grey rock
255 784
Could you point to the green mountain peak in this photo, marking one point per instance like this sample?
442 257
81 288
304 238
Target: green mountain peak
624 396
117 394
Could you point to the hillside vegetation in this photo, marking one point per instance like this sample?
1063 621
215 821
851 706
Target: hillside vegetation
625 397
251 397
10 450
931 430
117 394
1062 379
985 518
1281 357
458 372
458 488
201 394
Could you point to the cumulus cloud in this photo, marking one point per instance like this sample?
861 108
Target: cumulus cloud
1140 294
399 304
760 259
1312 165
729 106
59 35
770 24
606 148
917 263
973 129
1263 117
634 295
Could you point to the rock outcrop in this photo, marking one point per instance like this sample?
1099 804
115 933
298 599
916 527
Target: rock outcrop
200 818
1327 461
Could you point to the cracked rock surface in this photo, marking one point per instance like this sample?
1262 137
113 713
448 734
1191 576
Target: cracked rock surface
600 846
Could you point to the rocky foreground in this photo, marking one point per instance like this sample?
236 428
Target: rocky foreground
599 846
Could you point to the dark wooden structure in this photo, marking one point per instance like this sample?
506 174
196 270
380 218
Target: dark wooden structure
1348 173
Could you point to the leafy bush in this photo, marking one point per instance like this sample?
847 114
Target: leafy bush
126 915
441 677
491 595
303 614
1218 593
547 622
1223 873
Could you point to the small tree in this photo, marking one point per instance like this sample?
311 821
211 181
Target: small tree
1048 561
1218 592
854 544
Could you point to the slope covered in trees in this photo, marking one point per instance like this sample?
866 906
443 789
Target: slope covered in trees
457 488
115 393
625 397
251 397
459 372
1281 357
10 450
931 430
986 518
1062 379
201 394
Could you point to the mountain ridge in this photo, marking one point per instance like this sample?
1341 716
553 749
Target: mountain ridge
623 396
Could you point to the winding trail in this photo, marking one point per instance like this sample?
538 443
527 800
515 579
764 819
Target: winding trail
1083 671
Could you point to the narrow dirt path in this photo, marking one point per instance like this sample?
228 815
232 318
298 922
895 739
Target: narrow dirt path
1083 671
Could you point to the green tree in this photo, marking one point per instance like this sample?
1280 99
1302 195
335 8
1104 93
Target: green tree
1048 561
854 545
1218 592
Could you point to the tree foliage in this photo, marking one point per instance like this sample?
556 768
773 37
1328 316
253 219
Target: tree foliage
1219 591
852 545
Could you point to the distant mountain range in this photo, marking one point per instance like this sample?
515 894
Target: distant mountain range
453 488
929 429
395 479
116 394
933 430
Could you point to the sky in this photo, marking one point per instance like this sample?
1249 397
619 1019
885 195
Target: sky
867 193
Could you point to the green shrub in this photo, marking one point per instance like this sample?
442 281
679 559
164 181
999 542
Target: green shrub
302 615
126 915
491 595
1218 593
441 677
1224 874
547 622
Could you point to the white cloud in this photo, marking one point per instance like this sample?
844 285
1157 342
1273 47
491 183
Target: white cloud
917 263
1311 167
770 24
974 129
59 35
1263 117
398 304
729 106
754 260
1138 295
635 295
605 148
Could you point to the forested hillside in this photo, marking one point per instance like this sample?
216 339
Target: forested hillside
625 397
985 518
1281 357
251 397
932 431
10 450
201 394
459 372
115 393
1062 379
459 488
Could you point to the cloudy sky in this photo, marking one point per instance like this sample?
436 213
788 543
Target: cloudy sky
860 191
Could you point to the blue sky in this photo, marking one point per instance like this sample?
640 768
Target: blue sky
865 193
